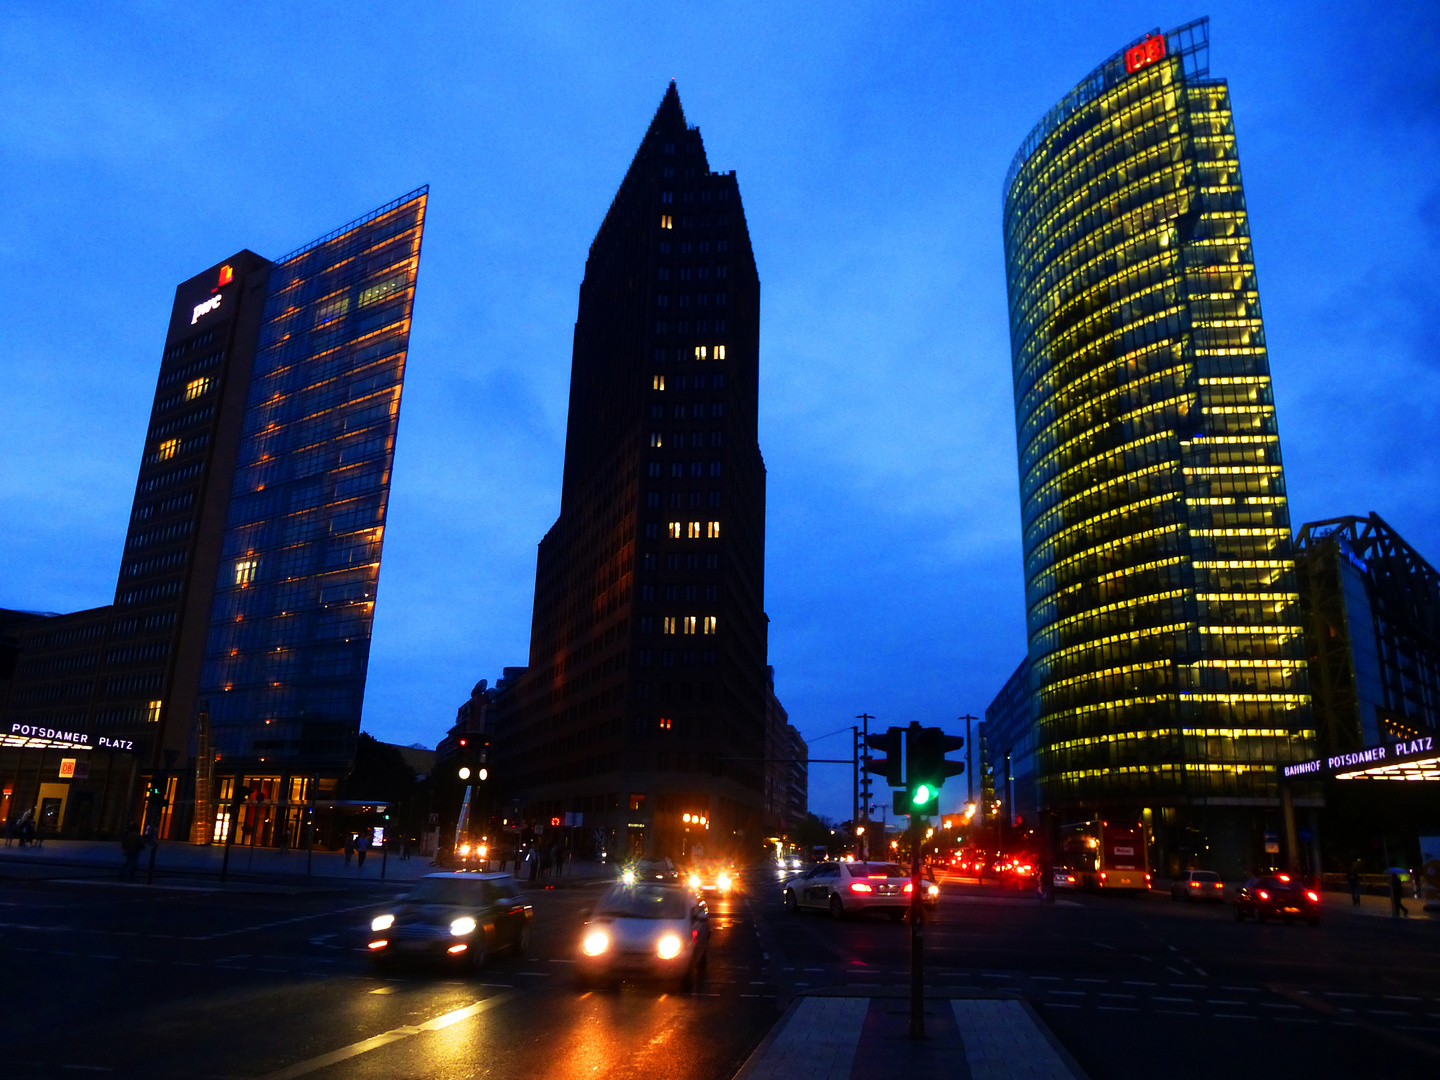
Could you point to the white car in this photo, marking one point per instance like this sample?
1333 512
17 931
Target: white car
848 888
644 931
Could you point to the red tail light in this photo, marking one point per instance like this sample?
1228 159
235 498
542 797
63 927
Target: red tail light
860 886
1312 896
1282 877
909 886
1263 895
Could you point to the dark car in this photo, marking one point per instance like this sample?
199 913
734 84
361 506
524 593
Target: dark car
643 870
1278 896
462 917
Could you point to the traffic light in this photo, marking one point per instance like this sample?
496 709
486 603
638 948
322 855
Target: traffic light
891 744
925 764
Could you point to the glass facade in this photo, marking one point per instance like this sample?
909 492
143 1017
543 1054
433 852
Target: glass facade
1168 665
289 634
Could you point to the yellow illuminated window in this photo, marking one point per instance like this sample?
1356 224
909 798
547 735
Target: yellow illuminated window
656 439
711 624
676 530
152 712
712 530
195 387
167 449
380 290
690 621
245 571
667 624
666 222
665 724
694 530
719 352
659 383
699 352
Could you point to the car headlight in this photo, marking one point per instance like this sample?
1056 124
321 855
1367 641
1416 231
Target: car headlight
668 947
628 877
934 890
462 926
464 850
724 882
595 943
694 881
382 922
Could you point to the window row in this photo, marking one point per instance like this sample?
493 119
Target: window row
699 299
652 499
672 593
703 381
680 530
720 221
700 411
681 624
678 468
703 326
720 194
699 273
651 561
702 246
677 440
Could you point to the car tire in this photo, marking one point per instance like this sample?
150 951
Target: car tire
1313 922
790 903
1239 913
1261 917
837 909
478 952
898 915
1174 895
522 942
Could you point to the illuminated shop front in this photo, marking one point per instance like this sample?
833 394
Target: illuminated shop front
1167 663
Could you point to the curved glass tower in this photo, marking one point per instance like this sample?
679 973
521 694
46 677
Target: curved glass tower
1165 645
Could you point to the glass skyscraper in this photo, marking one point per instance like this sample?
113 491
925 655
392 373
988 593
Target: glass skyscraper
289 636
1167 662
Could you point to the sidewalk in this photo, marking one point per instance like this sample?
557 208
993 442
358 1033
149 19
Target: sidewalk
825 1036
99 858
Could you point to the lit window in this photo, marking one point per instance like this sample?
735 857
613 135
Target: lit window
152 712
694 530
665 723
712 530
666 222
690 621
667 624
719 352
195 387
167 449
676 530
245 571
656 439
699 352
659 383
711 624
381 289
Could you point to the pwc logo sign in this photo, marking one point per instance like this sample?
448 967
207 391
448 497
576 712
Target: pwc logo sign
1149 51
227 275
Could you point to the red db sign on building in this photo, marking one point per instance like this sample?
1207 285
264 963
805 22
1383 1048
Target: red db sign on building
1144 54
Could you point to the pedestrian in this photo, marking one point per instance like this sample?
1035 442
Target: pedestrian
557 859
1396 907
349 848
405 850
1352 878
362 848
131 845
27 828
9 830
533 861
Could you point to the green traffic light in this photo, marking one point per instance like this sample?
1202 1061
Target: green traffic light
922 795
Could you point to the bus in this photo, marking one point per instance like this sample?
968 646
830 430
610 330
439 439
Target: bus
1102 855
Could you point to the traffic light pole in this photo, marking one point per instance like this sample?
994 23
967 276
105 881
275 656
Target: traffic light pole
917 934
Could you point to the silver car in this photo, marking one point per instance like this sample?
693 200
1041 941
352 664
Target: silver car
644 931
848 888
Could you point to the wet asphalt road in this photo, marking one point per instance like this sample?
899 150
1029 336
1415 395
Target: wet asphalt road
107 980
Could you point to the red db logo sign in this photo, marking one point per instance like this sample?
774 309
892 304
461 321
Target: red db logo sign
1144 54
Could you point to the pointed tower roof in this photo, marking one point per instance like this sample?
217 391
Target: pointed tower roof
669 114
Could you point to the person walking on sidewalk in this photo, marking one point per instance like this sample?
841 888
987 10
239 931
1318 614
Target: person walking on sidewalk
362 848
131 845
1396 907
1352 878
349 848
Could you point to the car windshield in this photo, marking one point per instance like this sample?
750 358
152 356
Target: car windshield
641 902
876 869
447 891
1203 875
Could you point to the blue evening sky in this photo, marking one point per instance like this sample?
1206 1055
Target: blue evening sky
143 142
